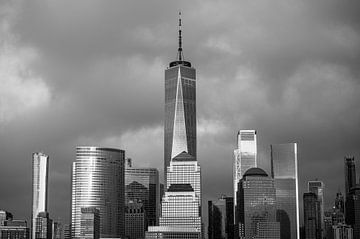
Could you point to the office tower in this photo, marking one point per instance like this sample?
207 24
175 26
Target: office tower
134 220
142 184
353 210
180 214
257 206
4 216
342 231
98 181
284 171
90 223
221 218
184 169
180 108
245 158
15 229
40 171
350 174
43 226
312 223
318 187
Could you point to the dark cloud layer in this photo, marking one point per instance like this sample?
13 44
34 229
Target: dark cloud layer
92 72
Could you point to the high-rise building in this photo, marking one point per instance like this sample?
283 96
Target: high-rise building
180 108
284 171
134 220
142 184
67 231
257 206
353 210
43 226
98 176
15 229
90 223
245 158
221 218
318 188
312 223
328 224
350 173
180 211
339 202
40 171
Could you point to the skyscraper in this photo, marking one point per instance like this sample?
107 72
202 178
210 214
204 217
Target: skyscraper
221 218
142 184
350 174
245 158
353 210
180 108
40 171
317 187
285 174
134 220
98 181
312 223
15 229
257 206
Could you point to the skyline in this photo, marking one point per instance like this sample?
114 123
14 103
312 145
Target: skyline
58 116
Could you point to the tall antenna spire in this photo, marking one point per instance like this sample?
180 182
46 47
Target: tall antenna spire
180 54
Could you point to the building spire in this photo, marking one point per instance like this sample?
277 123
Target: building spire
180 53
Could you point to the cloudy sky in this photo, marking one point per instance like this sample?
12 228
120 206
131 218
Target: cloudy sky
91 72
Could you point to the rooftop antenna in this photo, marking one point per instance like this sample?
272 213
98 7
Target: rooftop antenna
180 53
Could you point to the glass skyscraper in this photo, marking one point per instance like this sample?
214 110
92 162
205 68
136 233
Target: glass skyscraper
257 206
350 174
142 185
245 158
221 218
180 108
317 187
98 181
312 223
40 171
284 171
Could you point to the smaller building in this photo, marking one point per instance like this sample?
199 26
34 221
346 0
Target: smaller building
172 232
5 216
90 223
342 231
312 222
43 226
221 218
15 229
134 220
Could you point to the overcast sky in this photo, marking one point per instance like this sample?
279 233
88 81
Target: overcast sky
91 72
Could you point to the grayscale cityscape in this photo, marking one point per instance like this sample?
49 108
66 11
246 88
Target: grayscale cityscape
179 120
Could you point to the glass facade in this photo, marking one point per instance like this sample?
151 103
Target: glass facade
350 174
285 174
353 210
312 223
221 218
318 187
98 181
245 158
142 184
180 112
40 171
257 205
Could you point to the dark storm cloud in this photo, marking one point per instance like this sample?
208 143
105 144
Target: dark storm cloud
91 72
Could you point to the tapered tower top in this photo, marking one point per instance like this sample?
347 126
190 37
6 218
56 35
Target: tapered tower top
180 55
